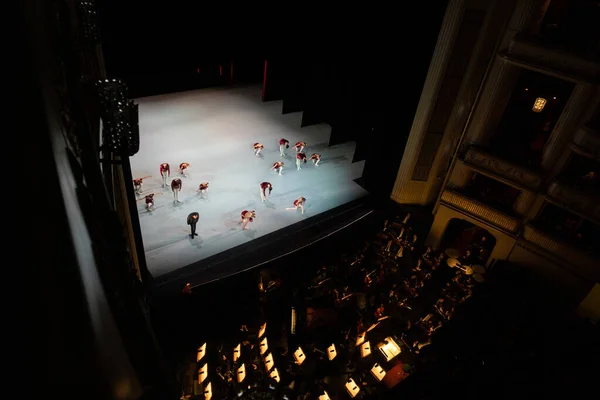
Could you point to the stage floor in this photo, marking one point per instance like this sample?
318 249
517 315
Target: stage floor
213 130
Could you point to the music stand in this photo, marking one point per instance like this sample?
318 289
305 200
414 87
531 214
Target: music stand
452 253
263 346
352 388
378 372
299 356
262 330
208 391
331 353
269 362
241 373
389 348
237 352
275 375
201 352
203 373
360 339
324 396
365 349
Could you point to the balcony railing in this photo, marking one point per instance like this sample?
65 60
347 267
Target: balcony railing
570 198
587 142
585 264
480 210
536 53
505 169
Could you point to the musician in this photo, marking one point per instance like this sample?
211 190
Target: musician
203 188
183 169
380 311
298 204
137 185
149 202
247 217
176 186
263 190
165 172
277 166
300 158
192 220
300 146
258 147
283 144
316 159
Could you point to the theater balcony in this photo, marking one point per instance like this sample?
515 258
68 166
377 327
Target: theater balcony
480 160
564 40
586 142
480 210
573 199
546 242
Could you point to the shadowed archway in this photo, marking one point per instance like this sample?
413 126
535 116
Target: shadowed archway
472 242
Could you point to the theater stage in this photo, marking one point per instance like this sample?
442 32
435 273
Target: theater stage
213 130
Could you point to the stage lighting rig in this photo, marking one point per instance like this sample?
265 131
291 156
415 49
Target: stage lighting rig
120 117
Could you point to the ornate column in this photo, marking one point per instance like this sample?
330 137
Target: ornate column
403 192
567 124
490 108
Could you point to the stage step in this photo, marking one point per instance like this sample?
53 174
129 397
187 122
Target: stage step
357 169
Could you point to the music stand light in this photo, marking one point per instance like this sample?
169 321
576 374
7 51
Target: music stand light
331 353
365 349
263 346
237 352
201 352
299 356
275 375
378 372
324 396
208 391
262 330
241 373
360 339
352 388
389 348
202 373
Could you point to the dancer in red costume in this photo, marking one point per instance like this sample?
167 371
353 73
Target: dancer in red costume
283 144
316 159
258 147
165 172
300 147
278 166
247 217
298 204
263 190
183 168
203 188
300 158
176 186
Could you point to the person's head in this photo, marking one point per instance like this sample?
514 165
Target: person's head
195 216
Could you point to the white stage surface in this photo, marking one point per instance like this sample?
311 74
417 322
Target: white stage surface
214 130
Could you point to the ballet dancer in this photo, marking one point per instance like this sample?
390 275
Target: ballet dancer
183 169
149 200
247 217
277 166
176 187
165 172
137 184
298 204
203 188
263 190
316 159
257 148
300 158
300 147
283 144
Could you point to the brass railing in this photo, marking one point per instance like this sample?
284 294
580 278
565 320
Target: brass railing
480 210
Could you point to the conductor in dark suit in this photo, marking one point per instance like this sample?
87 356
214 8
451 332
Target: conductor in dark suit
192 220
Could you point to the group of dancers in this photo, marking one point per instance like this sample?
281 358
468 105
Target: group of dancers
247 216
